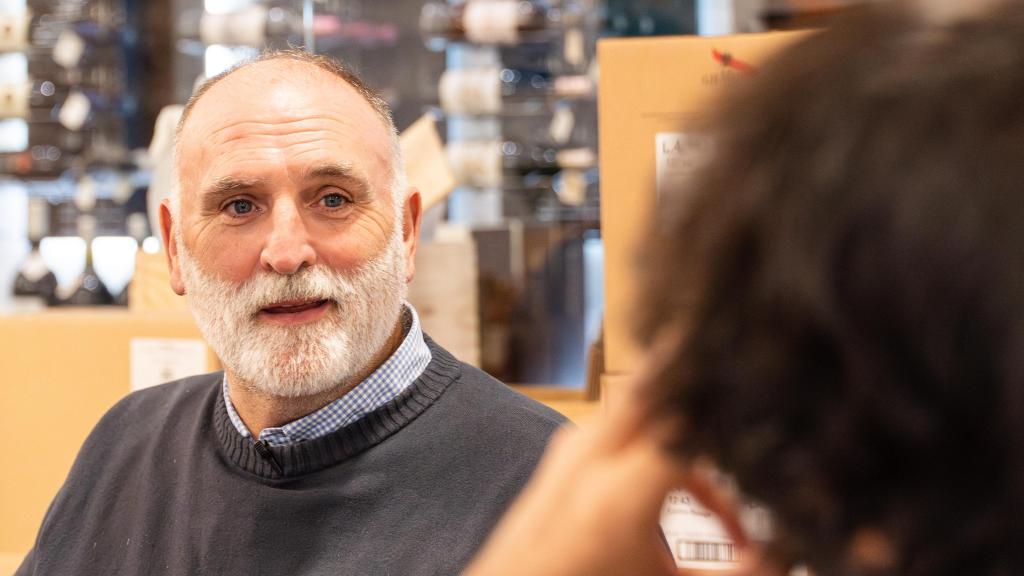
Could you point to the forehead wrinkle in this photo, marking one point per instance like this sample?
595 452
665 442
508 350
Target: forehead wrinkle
283 113
288 131
281 126
279 142
298 126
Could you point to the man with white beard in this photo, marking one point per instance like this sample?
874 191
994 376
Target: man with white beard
339 439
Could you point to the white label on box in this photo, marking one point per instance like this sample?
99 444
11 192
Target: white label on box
695 535
678 155
159 360
698 539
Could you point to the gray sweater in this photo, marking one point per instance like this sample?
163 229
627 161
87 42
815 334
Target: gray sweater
166 485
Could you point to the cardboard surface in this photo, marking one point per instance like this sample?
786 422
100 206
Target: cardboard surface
444 294
650 86
426 163
60 371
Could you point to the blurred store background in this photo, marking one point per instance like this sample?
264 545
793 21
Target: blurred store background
509 85
498 104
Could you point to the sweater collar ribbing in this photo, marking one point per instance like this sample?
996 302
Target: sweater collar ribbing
281 462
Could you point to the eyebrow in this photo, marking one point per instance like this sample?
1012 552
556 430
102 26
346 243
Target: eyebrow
354 179
225 187
332 170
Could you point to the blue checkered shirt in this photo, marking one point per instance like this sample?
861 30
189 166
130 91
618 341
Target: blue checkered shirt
386 382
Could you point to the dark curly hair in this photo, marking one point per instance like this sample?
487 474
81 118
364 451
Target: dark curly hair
844 284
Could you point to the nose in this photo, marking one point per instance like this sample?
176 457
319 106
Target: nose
287 248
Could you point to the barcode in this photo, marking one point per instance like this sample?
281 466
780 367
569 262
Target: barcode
689 551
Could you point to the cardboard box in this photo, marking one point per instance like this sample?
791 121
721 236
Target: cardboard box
650 90
445 294
651 93
60 370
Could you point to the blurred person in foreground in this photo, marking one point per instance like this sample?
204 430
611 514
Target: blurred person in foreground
834 310
339 439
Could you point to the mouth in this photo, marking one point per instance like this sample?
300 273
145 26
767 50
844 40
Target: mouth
294 311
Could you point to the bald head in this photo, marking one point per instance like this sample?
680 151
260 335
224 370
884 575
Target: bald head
275 74
319 61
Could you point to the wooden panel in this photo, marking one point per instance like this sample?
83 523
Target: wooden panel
151 287
64 368
551 393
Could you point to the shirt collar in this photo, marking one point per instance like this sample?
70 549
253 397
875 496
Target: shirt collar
392 377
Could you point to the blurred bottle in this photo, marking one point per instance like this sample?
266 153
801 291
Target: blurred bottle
533 157
15 100
490 22
484 163
88 289
473 91
101 82
35 286
274 26
14 31
255 26
40 161
51 149
46 101
27 30
78 57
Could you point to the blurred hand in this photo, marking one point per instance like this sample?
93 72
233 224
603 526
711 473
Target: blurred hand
594 503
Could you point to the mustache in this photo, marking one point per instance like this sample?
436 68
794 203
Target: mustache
313 283
265 288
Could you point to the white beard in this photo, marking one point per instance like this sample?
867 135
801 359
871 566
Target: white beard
303 360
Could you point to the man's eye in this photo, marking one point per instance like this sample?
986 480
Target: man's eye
334 200
240 207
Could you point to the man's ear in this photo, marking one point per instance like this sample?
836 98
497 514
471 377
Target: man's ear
412 216
167 225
